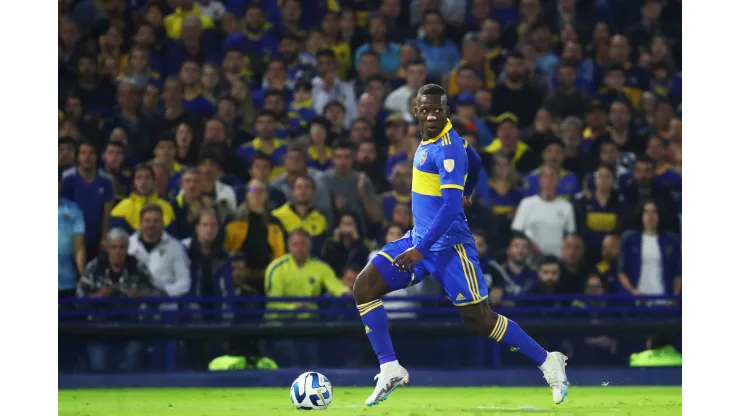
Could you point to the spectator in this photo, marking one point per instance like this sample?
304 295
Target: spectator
194 99
302 108
573 266
650 259
642 187
598 213
299 275
391 232
300 213
255 37
266 142
163 254
401 192
162 178
466 114
549 281
164 154
260 168
92 190
416 73
566 100
185 145
552 157
402 216
71 244
173 112
350 189
116 274
328 87
256 234
174 24
220 194
629 142
513 276
441 54
609 156
514 95
665 176
196 43
346 246
126 214
545 218
113 158
295 167
189 204
576 160
319 149
474 59
215 140
66 152
379 42
606 268
520 155
540 37
208 260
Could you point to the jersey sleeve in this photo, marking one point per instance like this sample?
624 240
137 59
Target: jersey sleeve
453 166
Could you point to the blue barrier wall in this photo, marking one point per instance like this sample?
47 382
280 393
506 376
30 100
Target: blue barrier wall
364 377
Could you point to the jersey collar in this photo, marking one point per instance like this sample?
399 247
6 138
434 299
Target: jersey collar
444 131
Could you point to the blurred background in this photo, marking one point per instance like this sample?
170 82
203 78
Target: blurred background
196 137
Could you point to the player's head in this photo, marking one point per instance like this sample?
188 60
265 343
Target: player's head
431 109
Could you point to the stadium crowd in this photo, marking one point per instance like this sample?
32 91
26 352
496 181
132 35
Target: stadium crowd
245 147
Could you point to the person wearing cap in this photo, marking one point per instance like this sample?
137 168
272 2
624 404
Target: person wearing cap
507 142
468 117
553 155
472 57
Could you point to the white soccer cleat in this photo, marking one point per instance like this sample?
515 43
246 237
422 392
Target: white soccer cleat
554 372
386 383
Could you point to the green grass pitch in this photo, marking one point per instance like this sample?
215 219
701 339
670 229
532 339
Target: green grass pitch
408 401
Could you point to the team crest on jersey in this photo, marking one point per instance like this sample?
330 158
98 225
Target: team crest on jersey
423 158
449 165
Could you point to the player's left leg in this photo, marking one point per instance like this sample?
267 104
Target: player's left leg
461 277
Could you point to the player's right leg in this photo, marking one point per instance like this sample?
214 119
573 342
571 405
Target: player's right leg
377 279
459 273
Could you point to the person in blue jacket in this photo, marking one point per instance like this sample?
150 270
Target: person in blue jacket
650 259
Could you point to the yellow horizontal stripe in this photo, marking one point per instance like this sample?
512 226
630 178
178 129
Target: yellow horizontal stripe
369 304
497 327
366 311
451 186
426 183
503 331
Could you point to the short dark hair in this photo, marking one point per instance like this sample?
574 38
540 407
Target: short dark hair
430 13
431 89
370 52
335 103
376 77
265 113
260 155
212 156
644 159
116 143
351 267
327 53
549 259
303 86
81 143
68 140
143 166
150 208
417 61
272 92
343 145
514 54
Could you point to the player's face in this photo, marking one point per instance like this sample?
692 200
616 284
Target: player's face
299 246
431 111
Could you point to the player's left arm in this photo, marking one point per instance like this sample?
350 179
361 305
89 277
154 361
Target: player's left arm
474 165
452 164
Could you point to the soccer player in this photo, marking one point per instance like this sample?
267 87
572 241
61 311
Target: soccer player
442 245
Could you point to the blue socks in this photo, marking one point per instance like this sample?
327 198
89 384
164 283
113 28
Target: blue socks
376 327
509 333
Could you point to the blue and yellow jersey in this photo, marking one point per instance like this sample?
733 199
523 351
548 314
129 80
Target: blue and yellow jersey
123 182
199 104
300 114
314 223
126 214
596 221
173 23
282 129
319 159
567 187
504 200
263 45
277 153
389 201
440 163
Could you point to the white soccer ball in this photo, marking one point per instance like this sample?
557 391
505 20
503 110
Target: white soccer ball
311 391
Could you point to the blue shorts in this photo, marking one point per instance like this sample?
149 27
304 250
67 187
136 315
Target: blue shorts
455 268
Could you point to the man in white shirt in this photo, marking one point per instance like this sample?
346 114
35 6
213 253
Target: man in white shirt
328 87
162 253
398 100
545 218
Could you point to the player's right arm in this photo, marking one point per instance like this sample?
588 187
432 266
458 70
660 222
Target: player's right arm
452 165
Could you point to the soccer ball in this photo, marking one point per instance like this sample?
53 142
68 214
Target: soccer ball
311 391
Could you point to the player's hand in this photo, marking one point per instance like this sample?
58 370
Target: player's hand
467 201
408 259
